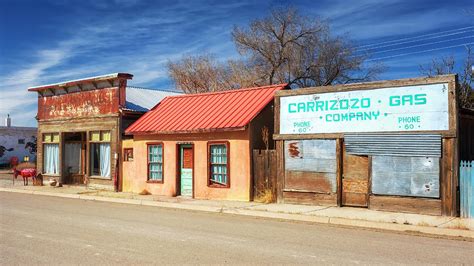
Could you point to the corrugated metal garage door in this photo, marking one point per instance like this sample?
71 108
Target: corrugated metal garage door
424 145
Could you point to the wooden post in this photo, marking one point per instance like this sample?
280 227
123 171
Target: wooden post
280 148
339 157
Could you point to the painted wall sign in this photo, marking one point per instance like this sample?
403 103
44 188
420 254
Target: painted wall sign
80 104
410 108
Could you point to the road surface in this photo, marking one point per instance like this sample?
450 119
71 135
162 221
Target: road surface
49 230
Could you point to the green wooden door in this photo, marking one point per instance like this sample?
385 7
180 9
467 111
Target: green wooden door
186 170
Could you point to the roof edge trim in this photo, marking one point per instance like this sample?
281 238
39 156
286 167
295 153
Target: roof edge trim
79 81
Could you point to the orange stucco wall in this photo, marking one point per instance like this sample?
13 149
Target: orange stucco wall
135 173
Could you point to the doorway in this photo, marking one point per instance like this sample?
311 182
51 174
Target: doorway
185 166
355 180
74 158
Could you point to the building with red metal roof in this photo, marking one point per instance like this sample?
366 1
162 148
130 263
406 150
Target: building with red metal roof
200 145
205 112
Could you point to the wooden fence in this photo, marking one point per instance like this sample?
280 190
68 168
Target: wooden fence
466 186
265 174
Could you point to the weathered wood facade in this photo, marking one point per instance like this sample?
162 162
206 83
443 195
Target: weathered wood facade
331 168
80 130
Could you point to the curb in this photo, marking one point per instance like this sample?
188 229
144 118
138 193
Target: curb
265 214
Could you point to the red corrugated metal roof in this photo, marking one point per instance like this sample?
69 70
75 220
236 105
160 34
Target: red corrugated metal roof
205 111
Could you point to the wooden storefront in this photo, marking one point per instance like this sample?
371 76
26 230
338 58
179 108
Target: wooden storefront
79 131
387 145
81 125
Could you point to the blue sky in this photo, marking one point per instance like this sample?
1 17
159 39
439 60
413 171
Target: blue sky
51 41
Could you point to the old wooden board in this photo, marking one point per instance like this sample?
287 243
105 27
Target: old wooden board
310 198
355 180
265 172
406 204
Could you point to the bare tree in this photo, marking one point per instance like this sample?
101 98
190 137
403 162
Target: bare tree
447 65
284 47
202 73
299 50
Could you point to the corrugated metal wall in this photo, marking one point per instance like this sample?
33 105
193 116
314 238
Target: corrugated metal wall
424 145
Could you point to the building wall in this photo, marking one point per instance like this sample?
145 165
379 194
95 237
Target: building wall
82 125
416 184
85 107
135 173
127 168
13 141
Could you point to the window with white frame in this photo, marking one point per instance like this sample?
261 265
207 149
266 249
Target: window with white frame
51 153
100 154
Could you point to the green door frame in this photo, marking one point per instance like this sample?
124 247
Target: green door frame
179 159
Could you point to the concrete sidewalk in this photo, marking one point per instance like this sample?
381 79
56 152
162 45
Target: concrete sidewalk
358 217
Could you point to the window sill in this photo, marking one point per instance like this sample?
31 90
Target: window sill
218 186
154 181
100 177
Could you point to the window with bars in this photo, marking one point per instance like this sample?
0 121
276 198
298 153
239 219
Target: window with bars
219 164
155 162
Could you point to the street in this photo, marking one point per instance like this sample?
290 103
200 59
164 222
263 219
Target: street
51 230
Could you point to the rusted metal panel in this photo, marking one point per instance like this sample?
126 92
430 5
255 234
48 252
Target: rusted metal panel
394 144
311 165
311 155
80 104
311 181
406 176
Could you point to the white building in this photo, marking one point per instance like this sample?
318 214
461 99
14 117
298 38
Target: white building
17 141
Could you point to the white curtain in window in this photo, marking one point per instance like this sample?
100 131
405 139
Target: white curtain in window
104 153
51 158
72 157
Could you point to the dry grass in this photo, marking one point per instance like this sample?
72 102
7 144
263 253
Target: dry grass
458 225
265 197
423 224
144 192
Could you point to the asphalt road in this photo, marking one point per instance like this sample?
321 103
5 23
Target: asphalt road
48 230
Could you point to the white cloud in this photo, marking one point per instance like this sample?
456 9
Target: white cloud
140 45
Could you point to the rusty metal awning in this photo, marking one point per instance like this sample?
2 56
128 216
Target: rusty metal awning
424 145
